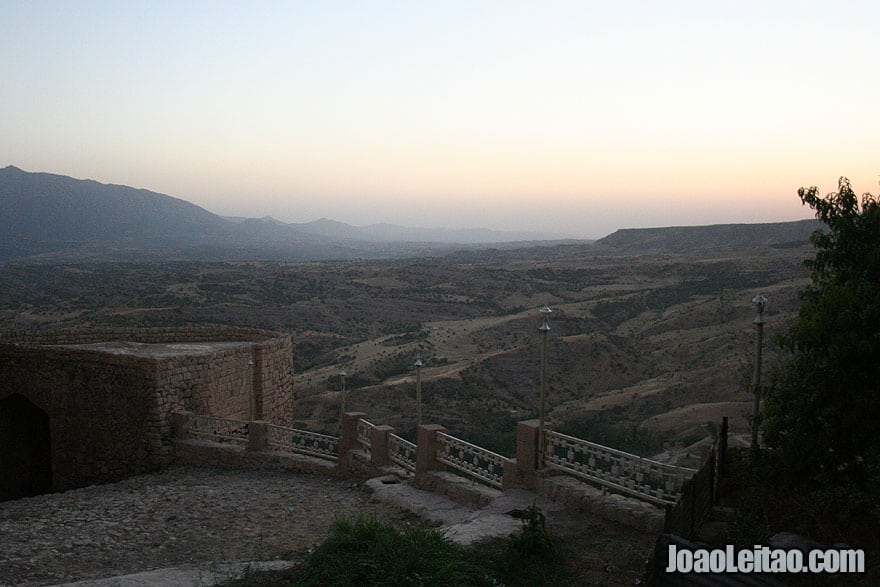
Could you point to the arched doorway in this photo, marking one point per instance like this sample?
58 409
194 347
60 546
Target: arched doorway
25 449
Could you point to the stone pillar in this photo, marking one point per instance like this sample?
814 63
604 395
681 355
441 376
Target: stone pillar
379 438
348 440
258 439
426 450
180 424
510 475
527 463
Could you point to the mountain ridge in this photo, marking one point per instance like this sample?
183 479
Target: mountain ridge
712 237
47 217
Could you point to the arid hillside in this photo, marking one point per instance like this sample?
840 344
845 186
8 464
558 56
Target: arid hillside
645 352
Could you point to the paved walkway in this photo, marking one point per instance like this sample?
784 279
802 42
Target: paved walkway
180 517
465 525
197 527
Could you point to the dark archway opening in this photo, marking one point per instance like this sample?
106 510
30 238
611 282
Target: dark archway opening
25 449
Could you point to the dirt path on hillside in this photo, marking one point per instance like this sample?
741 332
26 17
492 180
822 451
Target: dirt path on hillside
181 516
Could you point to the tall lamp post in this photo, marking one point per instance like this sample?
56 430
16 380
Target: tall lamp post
759 301
544 328
418 364
342 408
251 400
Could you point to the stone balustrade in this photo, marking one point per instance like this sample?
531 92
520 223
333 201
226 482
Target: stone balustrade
437 462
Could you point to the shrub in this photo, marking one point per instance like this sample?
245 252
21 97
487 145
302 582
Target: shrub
368 552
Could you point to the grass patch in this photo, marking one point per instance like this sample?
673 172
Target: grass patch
368 552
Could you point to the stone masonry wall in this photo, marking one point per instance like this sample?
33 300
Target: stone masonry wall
110 415
102 414
276 380
219 384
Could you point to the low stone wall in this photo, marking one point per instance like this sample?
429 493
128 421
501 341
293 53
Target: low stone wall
457 488
586 498
200 453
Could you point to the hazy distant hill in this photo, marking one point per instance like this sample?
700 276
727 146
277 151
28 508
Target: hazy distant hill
42 212
53 217
698 239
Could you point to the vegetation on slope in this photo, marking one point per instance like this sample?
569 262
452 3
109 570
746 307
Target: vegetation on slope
823 407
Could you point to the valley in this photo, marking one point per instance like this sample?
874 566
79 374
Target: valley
646 352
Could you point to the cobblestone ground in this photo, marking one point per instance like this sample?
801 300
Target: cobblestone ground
180 516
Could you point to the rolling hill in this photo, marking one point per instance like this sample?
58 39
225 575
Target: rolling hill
48 217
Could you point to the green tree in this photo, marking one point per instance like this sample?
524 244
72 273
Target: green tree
822 410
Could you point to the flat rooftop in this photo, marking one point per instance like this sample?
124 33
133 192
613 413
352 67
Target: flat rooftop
157 350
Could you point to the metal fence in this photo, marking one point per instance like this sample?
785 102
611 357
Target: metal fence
683 519
402 452
700 493
304 442
476 462
218 429
617 470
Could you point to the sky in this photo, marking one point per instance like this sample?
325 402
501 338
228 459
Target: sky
572 118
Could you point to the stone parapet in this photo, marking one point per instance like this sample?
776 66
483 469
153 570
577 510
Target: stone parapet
199 453
586 498
457 488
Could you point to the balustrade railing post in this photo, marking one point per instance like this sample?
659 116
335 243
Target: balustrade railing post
426 450
348 439
379 440
527 458
258 436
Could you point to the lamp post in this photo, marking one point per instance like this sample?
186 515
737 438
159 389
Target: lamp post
342 408
251 400
759 301
418 364
544 328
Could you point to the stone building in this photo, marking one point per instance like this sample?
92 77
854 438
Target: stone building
79 407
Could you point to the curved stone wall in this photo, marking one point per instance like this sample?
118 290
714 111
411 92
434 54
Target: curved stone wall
109 392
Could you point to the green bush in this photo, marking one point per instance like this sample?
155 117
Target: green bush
368 552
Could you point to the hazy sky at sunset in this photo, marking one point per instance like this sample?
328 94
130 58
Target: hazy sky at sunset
573 117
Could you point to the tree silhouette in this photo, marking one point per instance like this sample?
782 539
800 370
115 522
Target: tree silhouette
823 407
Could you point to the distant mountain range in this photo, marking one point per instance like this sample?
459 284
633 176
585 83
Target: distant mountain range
55 218
47 217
